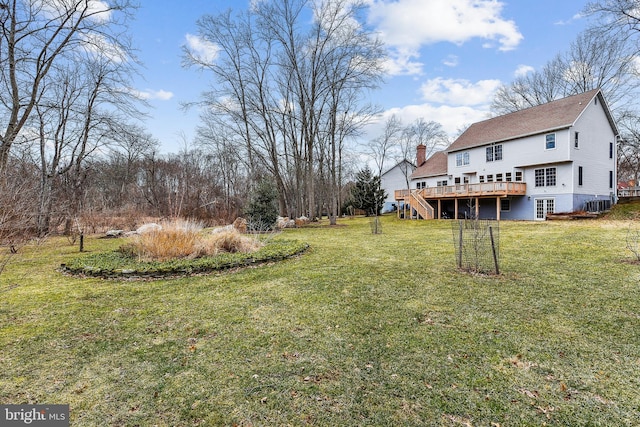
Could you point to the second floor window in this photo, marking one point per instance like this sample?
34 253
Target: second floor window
550 141
494 153
462 158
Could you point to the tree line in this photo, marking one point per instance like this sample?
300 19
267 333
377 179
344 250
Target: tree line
288 99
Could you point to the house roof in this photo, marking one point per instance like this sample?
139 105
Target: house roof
555 115
400 163
434 166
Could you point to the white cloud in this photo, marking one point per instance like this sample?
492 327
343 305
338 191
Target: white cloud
148 94
413 23
459 92
97 10
99 46
202 49
451 61
452 118
401 62
454 103
523 70
570 21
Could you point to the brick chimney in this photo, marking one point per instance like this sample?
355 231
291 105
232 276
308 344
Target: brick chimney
421 154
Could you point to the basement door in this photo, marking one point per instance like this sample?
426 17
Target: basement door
543 207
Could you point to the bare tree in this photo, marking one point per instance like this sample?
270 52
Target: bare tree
37 35
619 18
595 59
130 144
226 158
290 91
629 148
76 115
430 134
536 88
383 145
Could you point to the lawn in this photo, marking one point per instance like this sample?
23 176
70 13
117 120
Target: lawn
362 329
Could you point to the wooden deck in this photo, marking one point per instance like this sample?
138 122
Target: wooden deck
420 199
461 191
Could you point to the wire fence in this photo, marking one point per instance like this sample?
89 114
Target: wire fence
376 225
477 245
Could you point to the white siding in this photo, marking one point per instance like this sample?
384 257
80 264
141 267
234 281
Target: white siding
595 135
530 153
431 181
395 179
564 179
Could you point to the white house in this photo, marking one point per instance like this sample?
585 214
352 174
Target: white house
396 177
555 157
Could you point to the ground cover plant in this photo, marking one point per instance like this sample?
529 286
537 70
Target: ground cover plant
182 248
362 329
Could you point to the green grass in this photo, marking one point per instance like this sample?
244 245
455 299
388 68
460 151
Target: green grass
362 329
625 211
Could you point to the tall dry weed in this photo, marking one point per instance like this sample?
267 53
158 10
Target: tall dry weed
184 239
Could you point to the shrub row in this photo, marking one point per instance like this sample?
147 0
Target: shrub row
116 264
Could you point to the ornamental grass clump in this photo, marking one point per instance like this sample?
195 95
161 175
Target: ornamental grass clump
231 241
184 240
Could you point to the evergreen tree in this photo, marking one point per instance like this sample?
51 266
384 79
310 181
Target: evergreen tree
262 211
367 193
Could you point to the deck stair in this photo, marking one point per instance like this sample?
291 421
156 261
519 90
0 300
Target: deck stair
421 206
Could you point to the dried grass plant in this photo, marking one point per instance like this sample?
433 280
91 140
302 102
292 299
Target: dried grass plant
231 241
186 239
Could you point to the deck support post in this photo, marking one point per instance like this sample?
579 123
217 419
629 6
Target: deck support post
498 208
477 208
455 214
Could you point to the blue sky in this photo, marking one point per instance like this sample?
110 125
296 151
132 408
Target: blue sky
447 56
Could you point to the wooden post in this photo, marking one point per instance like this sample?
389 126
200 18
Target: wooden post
498 208
439 209
460 240
455 213
493 248
477 208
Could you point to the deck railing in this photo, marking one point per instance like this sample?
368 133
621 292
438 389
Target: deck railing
629 192
468 190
